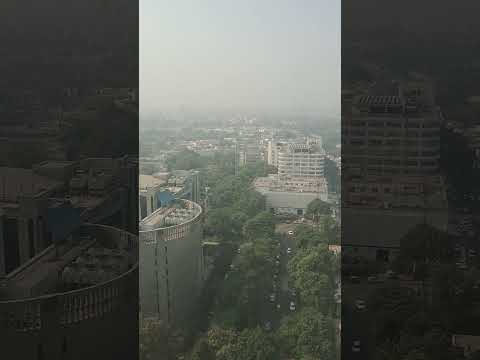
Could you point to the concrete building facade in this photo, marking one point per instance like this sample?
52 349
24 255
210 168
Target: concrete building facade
171 262
66 304
291 196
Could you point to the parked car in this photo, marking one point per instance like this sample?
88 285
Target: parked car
289 251
292 306
272 297
290 232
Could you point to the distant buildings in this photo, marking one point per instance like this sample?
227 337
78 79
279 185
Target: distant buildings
248 154
171 268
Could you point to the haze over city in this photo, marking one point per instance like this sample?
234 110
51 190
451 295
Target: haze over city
270 56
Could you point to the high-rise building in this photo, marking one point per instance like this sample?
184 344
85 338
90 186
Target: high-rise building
390 166
171 268
392 130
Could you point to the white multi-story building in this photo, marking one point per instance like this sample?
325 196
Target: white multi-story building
301 160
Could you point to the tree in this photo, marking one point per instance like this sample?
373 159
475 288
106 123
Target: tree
261 225
307 333
202 351
305 236
185 160
251 203
311 271
249 344
317 208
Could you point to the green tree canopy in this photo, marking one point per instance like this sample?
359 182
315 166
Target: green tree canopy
185 160
317 208
260 226
307 334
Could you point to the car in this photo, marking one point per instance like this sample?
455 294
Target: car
294 293
360 305
290 232
275 276
277 262
277 257
472 253
292 306
272 297
462 265
356 346
238 251
289 251
268 326
278 306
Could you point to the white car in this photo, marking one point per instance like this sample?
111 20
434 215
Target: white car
278 306
268 326
292 306
289 251
356 346
290 232
360 305
272 297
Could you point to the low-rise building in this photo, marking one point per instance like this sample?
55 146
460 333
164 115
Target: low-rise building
291 196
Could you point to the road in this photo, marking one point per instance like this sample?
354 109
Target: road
283 296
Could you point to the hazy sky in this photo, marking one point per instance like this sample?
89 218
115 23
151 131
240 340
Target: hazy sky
273 55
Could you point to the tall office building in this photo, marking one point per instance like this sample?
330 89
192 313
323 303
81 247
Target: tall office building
171 262
390 165
392 130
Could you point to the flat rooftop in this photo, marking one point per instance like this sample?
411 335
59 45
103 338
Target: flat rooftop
308 185
170 216
149 181
76 263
